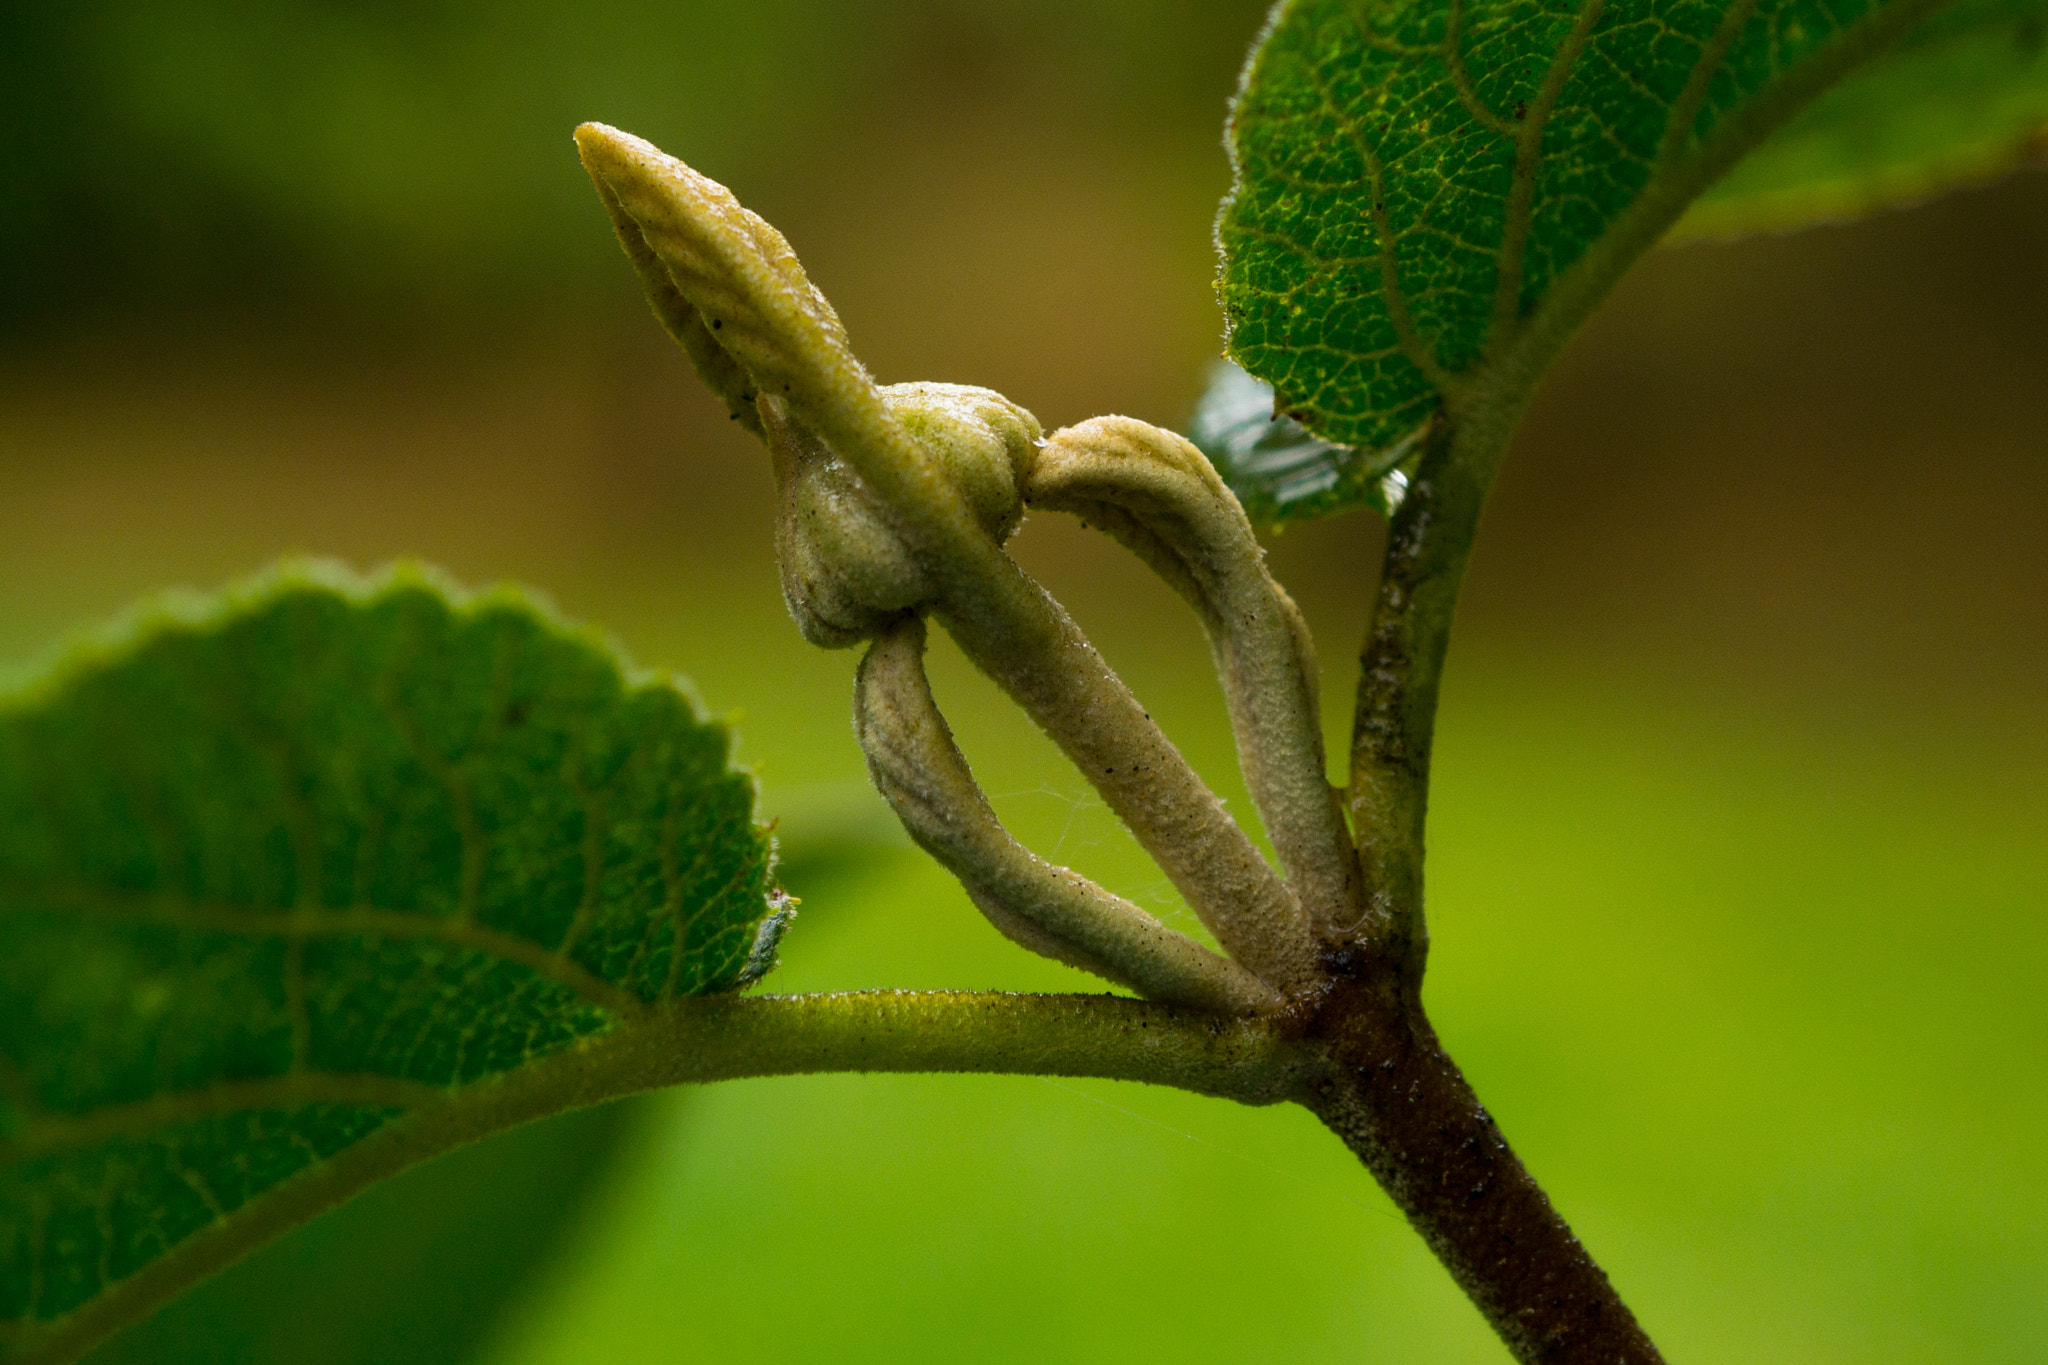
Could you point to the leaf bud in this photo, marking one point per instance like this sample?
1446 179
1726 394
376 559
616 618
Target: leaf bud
847 568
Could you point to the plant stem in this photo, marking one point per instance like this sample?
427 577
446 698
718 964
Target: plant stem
715 1038
1397 1100
1400 670
1050 910
1394 1096
1431 536
1401 1104
1017 634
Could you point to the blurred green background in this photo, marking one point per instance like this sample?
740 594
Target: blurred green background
1739 885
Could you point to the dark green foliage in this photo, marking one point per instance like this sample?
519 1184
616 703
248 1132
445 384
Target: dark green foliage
1371 229
1963 100
1414 176
277 869
381 164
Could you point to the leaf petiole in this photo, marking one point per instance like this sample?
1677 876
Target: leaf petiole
719 1038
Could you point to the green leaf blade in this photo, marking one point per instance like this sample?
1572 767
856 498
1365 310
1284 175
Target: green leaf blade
312 857
1963 101
1416 178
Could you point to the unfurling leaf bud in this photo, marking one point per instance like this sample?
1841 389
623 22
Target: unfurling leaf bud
847 569
895 503
1159 495
729 288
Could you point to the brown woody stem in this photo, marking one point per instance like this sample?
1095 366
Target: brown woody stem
1394 1096
1398 1101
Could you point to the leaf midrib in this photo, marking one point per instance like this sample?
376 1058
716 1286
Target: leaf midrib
1528 140
1494 389
1675 184
1518 346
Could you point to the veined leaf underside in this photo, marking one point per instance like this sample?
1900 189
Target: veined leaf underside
316 857
1413 176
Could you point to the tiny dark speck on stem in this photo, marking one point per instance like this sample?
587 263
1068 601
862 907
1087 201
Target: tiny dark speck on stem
716 323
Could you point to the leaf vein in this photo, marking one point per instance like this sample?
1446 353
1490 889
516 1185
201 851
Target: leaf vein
1418 351
1461 79
1685 110
1515 224
451 779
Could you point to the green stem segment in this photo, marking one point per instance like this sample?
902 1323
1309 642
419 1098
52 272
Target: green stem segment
1395 1098
1401 669
717 1038
1018 635
1393 1095
1050 910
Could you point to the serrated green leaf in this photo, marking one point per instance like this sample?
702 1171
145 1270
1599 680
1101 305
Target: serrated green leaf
1423 183
1962 101
1279 469
284 867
